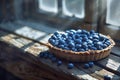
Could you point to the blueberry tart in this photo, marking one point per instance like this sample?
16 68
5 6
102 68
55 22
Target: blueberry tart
80 45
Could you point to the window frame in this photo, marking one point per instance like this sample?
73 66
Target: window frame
31 6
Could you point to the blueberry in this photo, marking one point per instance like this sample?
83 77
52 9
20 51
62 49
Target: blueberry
51 40
70 34
54 42
71 44
61 41
67 31
82 50
91 64
61 46
76 36
101 38
66 48
107 42
53 59
95 40
86 49
79 31
77 46
88 34
53 37
86 66
106 39
56 33
73 49
90 42
45 55
96 36
85 39
92 31
83 35
70 38
41 54
84 45
90 46
50 55
107 77
64 35
72 30
84 31
104 45
93 48
98 44
90 37
78 41
59 63
70 65
99 47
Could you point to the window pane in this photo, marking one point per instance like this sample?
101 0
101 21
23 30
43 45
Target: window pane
113 12
49 5
73 7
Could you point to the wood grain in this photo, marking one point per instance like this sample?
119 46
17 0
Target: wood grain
31 52
111 63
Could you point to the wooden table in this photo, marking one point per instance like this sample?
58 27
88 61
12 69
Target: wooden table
19 54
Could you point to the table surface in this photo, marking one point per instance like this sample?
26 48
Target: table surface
20 49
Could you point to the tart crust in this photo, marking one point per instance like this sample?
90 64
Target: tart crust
90 55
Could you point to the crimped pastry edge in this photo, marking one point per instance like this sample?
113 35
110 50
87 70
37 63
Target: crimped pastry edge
90 55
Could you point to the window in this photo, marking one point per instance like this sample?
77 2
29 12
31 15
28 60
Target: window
69 7
49 5
110 19
113 12
73 8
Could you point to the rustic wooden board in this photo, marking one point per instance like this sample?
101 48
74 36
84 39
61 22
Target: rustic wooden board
90 71
111 63
116 51
36 48
13 60
98 70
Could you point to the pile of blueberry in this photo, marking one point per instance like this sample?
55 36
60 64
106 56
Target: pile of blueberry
79 40
88 65
54 59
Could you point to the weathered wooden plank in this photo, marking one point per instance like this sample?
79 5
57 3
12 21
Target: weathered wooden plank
101 71
29 24
36 48
23 30
12 59
111 63
116 51
13 39
45 39
74 71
